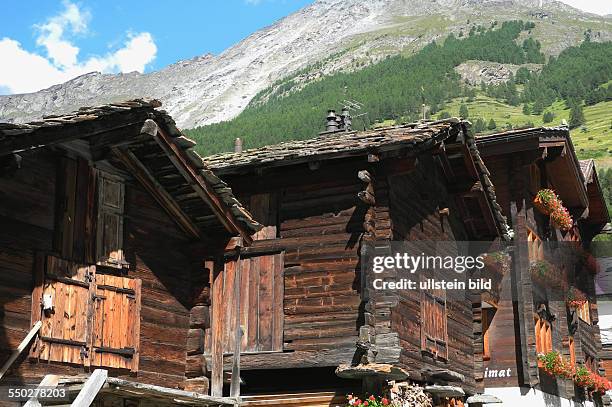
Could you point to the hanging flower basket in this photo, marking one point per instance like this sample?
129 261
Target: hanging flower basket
561 219
583 377
553 364
546 201
575 298
497 263
545 273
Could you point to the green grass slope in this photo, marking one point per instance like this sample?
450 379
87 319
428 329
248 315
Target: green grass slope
592 140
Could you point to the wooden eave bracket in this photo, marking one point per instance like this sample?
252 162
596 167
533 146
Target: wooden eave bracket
140 172
182 163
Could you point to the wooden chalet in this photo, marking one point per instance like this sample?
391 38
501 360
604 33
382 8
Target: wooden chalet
531 316
107 219
319 201
131 274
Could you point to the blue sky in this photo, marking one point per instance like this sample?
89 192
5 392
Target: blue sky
62 39
43 43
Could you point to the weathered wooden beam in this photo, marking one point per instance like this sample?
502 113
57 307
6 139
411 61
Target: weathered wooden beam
183 164
50 381
297 359
235 383
24 344
51 135
91 388
218 321
160 194
128 135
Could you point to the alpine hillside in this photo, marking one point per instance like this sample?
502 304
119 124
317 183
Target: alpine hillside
325 38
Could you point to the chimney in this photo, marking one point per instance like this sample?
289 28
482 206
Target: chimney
238 145
332 121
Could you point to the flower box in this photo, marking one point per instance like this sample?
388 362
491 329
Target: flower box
546 201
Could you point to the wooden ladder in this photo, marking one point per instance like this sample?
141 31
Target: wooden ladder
86 396
24 344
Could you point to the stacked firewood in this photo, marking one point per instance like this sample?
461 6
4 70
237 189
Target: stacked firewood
405 394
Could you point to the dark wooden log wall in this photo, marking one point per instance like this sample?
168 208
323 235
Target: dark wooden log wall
408 208
154 247
319 224
511 335
27 202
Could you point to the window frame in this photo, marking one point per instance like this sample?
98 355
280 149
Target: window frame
440 335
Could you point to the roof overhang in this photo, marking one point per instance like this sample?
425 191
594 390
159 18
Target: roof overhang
147 143
551 145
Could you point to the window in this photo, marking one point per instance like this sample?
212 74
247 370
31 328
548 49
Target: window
584 313
543 335
487 316
572 351
261 303
109 230
89 215
433 323
88 319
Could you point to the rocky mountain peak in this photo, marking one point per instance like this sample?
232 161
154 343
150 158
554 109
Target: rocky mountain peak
208 88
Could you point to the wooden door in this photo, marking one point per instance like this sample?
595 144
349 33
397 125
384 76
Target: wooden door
87 318
116 322
64 332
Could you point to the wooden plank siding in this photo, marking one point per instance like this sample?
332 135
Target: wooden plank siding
154 247
319 222
321 225
512 332
407 208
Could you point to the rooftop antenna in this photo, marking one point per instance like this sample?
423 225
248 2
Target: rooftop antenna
423 102
355 105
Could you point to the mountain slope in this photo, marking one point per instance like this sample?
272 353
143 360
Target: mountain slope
345 34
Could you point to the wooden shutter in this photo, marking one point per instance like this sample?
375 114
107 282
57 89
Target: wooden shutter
584 312
261 303
433 323
487 316
65 207
95 319
116 322
109 243
572 351
63 336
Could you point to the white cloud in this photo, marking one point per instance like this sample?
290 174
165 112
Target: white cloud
24 71
51 34
601 7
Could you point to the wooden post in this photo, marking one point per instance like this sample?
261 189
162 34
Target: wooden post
216 382
49 381
20 348
235 384
91 388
